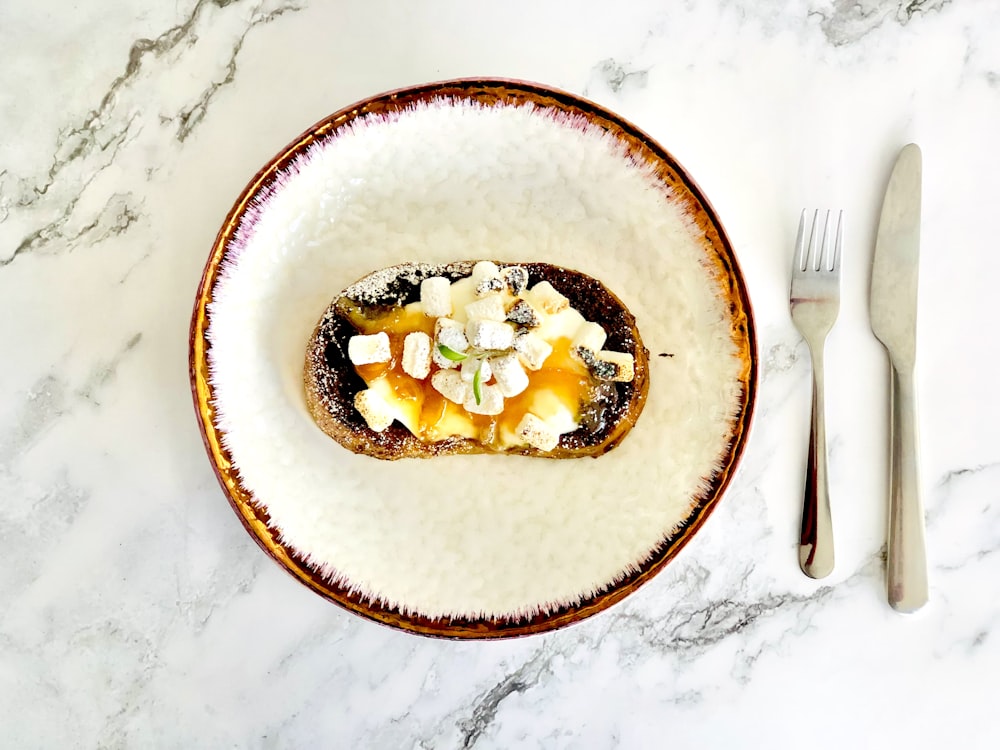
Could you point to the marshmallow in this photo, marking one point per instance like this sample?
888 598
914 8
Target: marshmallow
510 377
532 349
367 350
516 279
442 361
536 433
451 333
435 296
488 308
523 314
590 336
544 296
375 410
489 334
450 385
589 358
489 286
471 365
417 355
485 269
612 366
623 364
442 323
490 404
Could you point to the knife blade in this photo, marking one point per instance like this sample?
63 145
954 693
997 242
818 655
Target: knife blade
893 307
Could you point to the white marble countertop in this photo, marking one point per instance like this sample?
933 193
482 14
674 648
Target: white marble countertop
136 612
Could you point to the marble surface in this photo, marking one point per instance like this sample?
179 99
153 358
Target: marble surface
135 610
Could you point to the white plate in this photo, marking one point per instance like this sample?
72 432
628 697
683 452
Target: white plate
477 546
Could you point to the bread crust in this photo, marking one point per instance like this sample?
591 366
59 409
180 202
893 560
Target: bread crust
331 381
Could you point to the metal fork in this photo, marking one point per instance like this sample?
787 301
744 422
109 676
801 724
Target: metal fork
814 302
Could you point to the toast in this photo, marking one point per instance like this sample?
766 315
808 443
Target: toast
420 360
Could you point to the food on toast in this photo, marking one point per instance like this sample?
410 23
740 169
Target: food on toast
421 360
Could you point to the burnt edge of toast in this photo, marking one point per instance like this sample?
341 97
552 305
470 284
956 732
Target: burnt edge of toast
331 381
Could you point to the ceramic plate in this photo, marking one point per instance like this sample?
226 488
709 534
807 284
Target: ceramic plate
472 546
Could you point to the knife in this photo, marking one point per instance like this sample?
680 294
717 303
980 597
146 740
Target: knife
894 322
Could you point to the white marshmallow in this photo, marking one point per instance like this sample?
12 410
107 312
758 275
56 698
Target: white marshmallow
532 349
375 410
469 367
452 335
485 269
444 323
450 385
543 296
417 355
536 433
510 377
489 334
367 350
490 404
442 361
488 308
590 336
435 296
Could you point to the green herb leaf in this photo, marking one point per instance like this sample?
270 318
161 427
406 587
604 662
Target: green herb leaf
451 354
477 384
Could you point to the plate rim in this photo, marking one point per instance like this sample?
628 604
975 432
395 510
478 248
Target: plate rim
256 520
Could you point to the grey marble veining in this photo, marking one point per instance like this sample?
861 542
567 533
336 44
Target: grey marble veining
136 612
847 22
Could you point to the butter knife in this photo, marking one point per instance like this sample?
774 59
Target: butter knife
894 322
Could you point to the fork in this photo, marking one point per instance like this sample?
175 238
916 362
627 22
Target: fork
814 301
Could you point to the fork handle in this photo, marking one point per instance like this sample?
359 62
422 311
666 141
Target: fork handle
906 563
816 539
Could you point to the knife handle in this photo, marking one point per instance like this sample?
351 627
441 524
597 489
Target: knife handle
907 556
816 537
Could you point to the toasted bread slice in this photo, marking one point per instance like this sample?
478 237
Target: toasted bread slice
332 381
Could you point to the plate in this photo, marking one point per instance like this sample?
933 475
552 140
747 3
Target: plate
472 546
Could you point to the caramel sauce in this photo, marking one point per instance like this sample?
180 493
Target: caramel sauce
561 359
560 375
569 387
398 321
408 388
433 410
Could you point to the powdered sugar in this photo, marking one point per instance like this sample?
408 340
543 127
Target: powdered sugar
459 181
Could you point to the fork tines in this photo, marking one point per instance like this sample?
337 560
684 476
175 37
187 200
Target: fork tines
817 255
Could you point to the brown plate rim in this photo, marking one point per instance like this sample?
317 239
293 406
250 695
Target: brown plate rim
256 520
